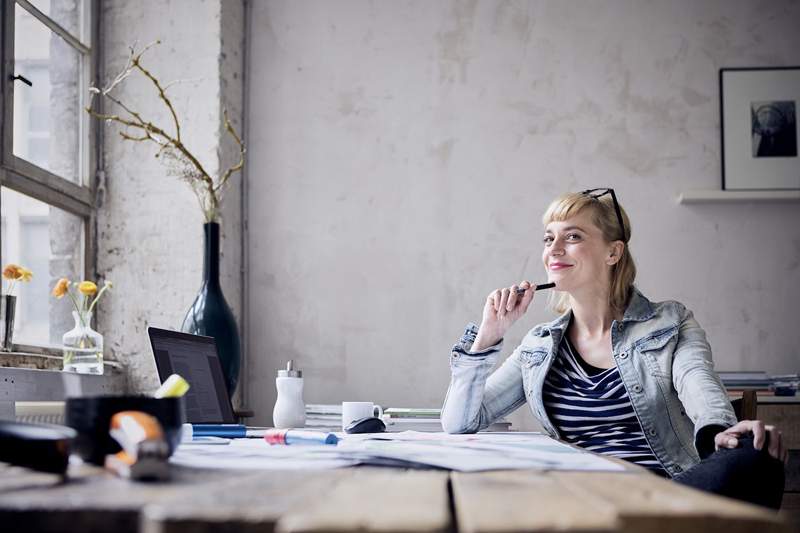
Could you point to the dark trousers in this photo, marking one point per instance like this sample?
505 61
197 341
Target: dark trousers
743 473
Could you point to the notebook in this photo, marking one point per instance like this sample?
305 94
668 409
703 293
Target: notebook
195 358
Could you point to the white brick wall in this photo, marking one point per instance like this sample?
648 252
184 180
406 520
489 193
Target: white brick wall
150 235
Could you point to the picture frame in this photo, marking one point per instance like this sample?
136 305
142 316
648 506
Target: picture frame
758 128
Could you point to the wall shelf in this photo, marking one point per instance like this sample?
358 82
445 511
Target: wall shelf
718 196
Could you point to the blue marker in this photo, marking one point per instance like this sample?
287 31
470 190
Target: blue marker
299 436
227 431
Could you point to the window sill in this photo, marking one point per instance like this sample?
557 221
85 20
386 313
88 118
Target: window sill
42 358
39 357
718 196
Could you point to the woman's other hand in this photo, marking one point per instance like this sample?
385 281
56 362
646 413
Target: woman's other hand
730 438
503 307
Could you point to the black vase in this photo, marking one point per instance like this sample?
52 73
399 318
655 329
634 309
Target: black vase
210 314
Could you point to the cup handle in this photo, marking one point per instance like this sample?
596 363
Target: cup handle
379 410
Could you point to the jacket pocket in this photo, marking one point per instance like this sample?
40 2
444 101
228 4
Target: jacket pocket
657 352
530 357
657 340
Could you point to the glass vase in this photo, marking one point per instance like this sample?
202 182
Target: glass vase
8 306
83 346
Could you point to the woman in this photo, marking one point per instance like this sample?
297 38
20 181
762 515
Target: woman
615 373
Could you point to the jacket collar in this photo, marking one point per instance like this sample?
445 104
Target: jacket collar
639 309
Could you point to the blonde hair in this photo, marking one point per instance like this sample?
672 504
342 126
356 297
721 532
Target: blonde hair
623 273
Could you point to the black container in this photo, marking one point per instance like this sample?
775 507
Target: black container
43 447
90 417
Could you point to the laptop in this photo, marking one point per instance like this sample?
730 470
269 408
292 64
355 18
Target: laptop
195 358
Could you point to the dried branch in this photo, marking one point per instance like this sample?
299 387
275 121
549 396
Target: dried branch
182 161
161 94
127 137
238 166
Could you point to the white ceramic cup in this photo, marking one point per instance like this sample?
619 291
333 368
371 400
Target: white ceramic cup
352 411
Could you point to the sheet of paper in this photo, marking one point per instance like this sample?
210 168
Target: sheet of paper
248 454
466 453
477 452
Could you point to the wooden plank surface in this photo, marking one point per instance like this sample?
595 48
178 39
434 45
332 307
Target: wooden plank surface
515 500
93 500
241 503
368 499
575 501
646 502
373 499
199 501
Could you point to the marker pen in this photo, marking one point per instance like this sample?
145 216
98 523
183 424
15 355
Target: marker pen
299 436
227 431
520 290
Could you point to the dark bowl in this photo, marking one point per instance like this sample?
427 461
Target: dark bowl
90 418
43 447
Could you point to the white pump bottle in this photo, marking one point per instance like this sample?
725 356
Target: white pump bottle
290 410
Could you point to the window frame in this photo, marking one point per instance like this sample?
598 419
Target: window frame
29 179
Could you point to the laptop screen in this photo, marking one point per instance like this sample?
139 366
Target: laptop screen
195 358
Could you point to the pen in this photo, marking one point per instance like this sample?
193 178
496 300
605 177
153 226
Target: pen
299 436
228 431
520 290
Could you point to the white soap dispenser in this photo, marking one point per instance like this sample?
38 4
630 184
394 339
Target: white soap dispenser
290 410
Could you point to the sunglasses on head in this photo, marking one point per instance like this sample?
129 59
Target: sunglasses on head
597 193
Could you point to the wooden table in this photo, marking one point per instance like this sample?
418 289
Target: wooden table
368 499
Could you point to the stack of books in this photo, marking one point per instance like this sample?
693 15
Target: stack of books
429 420
324 416
328 417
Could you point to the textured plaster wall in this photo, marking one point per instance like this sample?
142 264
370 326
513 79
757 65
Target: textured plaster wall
403 153
150 237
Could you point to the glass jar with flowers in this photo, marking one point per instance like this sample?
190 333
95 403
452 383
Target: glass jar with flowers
8 302
82 346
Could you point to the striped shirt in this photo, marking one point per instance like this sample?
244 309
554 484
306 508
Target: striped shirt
590 408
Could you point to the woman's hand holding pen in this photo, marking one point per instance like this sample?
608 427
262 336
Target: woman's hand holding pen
503 307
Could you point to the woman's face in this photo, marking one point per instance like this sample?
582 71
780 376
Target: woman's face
575 253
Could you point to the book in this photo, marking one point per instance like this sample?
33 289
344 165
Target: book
746 380
324 409
407 412
323 417
433 424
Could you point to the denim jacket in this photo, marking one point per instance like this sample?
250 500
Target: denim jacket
663 358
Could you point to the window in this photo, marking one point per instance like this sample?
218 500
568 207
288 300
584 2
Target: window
46 165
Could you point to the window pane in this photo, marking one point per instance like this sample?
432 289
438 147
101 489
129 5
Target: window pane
49 242
42 5
72 15
48 118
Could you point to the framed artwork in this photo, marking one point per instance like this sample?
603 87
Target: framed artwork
758 115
